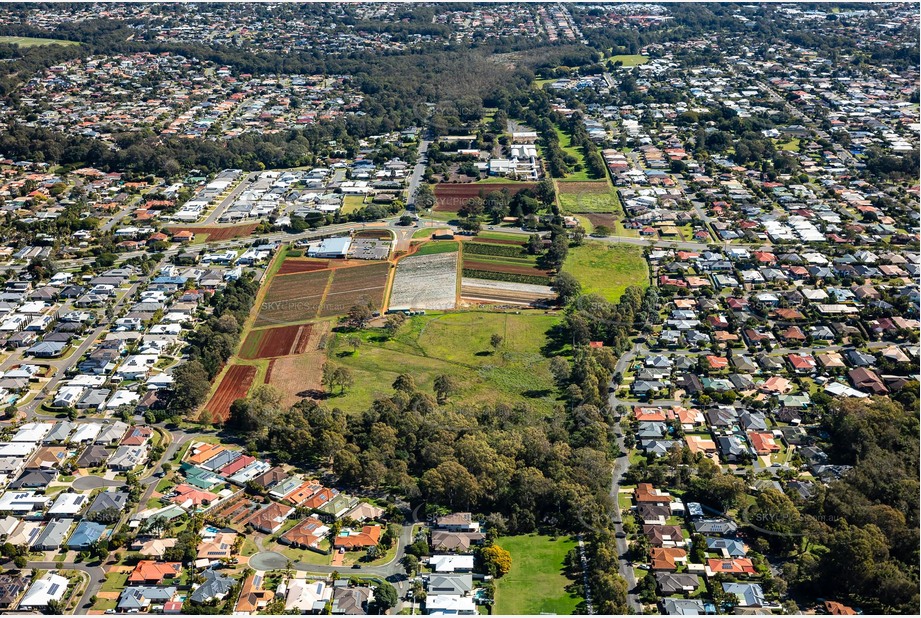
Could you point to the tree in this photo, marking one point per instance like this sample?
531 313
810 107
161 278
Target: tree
545 192
566 286
495 560
344 378
410 564
190 387
404 383
473 207
424 198
450 484
601 231
393 322
354 342
445 386
561 370
385 598
495 341
359 315
535 244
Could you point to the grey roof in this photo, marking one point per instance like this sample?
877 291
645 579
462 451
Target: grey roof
687 607
108 499
215 585
140 597
53 534
670 583
59 432
451 584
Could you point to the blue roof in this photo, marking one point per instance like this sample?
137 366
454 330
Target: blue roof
86 533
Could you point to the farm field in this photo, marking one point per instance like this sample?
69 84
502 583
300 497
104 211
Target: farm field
504 292
216 233
351 286
234 385
456 344
450 197
293 298
291 266
536 583
502 260
607 269
427 281
272 342
26 41
299 375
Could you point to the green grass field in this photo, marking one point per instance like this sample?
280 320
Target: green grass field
589 202
791 146
26 41
437 246
630 60
607 269
536 583
351 203
575 151
456 344
426 232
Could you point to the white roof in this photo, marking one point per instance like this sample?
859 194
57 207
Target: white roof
449 564
51 587
68 504
32 432
449 604
86 432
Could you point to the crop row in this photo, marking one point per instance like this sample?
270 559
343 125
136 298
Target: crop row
510 277
485 249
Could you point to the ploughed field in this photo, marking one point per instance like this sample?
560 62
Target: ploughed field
451 197
234 385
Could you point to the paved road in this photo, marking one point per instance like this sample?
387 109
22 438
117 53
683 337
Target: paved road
227 201
418 172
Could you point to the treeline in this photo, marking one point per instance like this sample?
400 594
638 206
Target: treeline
210 345
868 521
592 155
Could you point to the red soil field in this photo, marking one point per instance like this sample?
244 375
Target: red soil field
268 371
293 265
451 197
234 385
274 342
218 233
293 298
504 268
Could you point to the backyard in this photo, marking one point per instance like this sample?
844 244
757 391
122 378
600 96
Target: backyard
536 583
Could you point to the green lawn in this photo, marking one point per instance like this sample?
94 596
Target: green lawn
426 232
589 202
536 583
791 146
575 151
115 582
351 203
26 41
630 60
437 246
607 269
456 344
